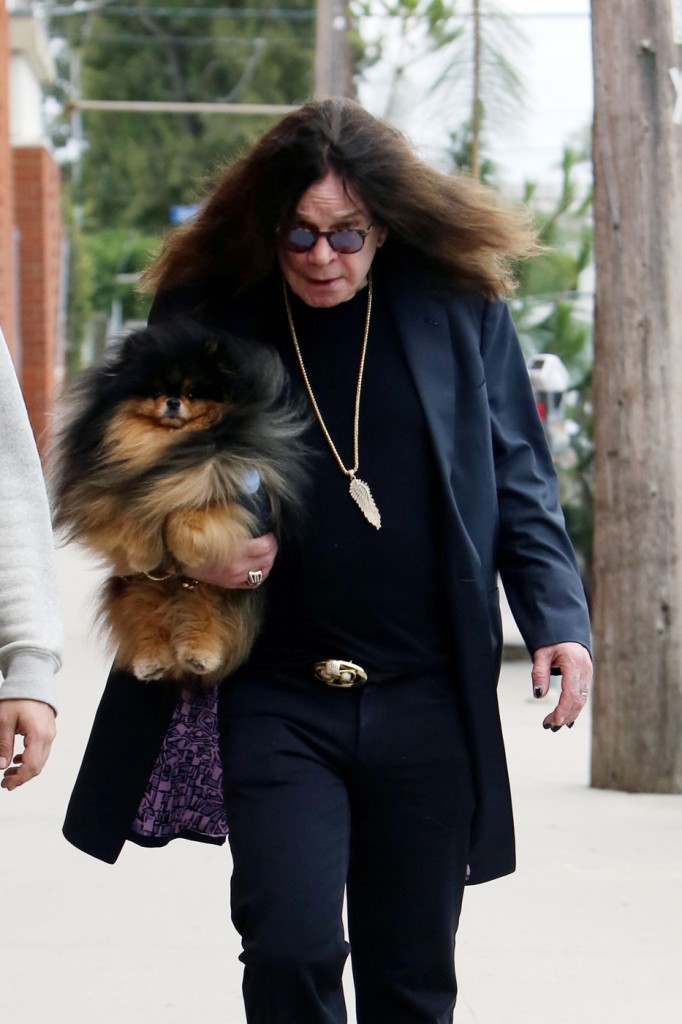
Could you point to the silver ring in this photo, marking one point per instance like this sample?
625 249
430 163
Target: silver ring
254 578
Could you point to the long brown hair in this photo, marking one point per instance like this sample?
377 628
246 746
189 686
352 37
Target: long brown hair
459 228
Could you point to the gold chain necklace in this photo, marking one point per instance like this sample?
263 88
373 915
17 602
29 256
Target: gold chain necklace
358 489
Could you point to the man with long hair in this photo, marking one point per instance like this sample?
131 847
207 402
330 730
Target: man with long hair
361 745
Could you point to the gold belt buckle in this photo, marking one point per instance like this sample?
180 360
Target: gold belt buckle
343 674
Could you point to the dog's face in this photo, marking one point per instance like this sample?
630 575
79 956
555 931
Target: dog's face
177 385
163 385
177 399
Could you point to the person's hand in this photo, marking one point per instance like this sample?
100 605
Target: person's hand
575 665
35 721
256 555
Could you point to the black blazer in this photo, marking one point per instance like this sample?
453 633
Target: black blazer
502 513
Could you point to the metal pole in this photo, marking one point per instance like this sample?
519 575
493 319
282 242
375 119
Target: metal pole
150 106
332 53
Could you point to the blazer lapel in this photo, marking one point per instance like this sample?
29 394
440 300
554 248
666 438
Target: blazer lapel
422 324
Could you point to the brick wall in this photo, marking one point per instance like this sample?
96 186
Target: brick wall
38 217
7 290
30 257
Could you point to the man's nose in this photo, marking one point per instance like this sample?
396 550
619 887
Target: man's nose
322 251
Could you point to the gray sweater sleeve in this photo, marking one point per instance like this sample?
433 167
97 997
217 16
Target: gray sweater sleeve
30 621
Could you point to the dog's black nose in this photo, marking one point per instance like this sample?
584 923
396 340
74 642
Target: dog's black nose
172 404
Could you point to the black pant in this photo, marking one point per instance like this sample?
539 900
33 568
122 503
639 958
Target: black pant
367 789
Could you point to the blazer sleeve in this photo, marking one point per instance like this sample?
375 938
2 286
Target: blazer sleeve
535 557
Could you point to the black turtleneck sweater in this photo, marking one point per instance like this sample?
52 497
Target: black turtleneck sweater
341 588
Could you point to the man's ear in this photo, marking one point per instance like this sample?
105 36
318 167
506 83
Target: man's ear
382 235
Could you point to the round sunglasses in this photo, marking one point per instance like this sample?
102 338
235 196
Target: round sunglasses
346 241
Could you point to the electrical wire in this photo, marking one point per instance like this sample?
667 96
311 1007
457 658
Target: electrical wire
286 14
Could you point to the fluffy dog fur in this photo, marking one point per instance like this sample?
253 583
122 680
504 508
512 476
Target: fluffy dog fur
149 469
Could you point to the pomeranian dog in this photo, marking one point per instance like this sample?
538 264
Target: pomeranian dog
169 455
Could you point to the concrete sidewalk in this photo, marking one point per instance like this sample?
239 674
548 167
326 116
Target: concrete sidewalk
588 931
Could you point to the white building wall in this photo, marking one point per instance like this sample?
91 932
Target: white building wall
30 68
26 125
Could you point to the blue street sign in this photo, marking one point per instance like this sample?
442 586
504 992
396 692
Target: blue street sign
179 214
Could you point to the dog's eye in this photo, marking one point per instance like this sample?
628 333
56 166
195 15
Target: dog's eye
157 393
190 396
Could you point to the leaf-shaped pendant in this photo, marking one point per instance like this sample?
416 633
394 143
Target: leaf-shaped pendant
362 496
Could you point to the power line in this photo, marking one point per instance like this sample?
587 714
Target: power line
287 14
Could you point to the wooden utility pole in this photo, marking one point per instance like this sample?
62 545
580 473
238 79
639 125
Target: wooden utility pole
332 52
637 147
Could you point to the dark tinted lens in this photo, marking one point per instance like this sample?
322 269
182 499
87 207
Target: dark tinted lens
346 241
303 239
300 239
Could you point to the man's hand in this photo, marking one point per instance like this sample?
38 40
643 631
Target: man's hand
256 554
575 665
33 720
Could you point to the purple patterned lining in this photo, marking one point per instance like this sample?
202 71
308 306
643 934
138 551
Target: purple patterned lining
185 792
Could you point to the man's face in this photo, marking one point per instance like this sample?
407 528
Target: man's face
320 276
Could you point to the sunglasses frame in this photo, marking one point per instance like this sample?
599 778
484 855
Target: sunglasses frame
362 232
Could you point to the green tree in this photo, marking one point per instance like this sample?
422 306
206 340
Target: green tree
137 165
459 152
117 256
134 167
551 282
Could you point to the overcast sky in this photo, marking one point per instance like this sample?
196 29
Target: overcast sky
555 63
558 75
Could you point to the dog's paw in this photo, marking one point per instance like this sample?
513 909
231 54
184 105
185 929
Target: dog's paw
199 663
134 562
204 535
148 669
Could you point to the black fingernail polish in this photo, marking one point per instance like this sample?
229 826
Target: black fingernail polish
537 691
548 726
555 728
570 725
